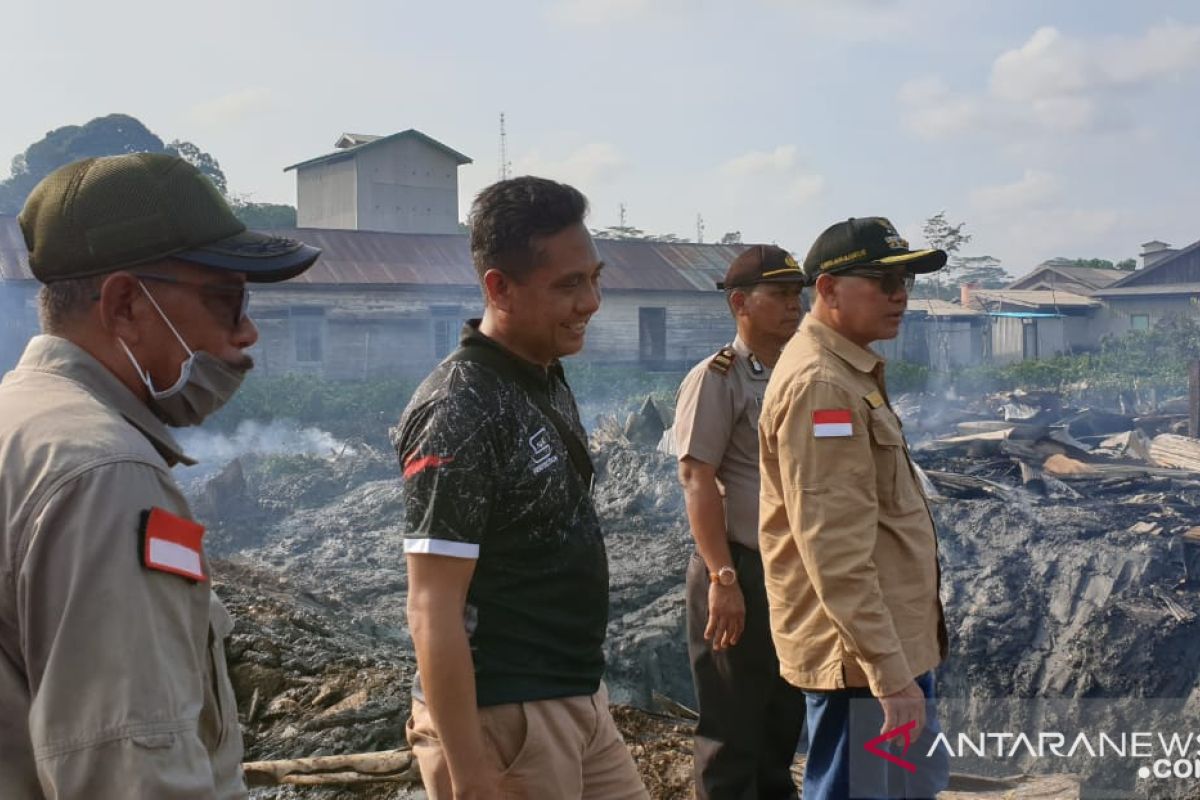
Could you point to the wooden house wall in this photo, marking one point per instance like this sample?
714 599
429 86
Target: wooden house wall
1182 269
1116 319
943 344
697 325
375 332
1008 338
364 333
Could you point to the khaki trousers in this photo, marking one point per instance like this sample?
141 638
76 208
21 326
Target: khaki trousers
558 749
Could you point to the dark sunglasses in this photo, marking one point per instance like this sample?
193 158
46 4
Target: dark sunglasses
890 280
228 302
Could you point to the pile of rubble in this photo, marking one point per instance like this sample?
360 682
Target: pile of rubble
1064 543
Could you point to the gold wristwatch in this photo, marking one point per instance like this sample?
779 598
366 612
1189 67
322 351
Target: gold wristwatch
726 576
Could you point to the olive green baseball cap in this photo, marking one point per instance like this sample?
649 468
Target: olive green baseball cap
100 215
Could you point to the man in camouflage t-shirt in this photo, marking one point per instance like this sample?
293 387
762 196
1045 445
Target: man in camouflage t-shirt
508 577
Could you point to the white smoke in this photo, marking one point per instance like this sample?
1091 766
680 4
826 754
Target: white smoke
277 437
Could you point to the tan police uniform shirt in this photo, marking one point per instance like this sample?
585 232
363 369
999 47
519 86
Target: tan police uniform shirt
716 421
848 542
112 676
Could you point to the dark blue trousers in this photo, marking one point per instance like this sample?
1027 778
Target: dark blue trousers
839 766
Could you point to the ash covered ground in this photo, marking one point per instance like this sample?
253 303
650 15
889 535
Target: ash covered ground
1058 582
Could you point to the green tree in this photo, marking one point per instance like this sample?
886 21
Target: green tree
1126 265
263 216
733 237
620 232
202 161
631 234
114 134
1089 263
942 235
984 271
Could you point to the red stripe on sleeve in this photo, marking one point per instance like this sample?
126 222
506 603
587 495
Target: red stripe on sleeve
416 465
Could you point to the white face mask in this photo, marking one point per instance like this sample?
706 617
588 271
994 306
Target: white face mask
205 383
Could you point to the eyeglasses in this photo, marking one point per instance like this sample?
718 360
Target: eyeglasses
890 280
228 302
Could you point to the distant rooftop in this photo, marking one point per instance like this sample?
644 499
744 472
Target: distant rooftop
350 144
940 308
1091 278
355 139
371 258
1035 299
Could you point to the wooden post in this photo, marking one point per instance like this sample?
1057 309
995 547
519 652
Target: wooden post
1194 402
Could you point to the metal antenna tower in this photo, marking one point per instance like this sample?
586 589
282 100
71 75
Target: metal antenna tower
622 207
505 165
699 228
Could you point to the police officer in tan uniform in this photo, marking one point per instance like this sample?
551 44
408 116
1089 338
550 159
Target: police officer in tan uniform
113 682
848 542
750 718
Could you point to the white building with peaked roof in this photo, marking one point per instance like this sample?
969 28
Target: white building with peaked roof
403 183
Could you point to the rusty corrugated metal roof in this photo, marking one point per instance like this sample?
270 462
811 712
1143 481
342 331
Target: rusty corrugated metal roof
368 258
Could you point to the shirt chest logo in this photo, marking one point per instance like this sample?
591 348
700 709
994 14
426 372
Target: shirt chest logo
543 453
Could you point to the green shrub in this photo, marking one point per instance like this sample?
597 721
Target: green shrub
1156 359
904 376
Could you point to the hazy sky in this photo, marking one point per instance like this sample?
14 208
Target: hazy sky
1052 128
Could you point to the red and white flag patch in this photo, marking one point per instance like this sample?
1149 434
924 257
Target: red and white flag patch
173 544
832 423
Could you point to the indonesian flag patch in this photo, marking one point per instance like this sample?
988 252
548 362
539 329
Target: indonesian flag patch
172 544
832 423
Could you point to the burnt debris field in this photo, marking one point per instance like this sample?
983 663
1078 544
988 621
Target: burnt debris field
1070 550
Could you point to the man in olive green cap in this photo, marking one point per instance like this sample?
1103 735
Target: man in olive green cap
112 671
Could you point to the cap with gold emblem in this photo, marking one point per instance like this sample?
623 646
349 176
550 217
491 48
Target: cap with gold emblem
867 241
762 263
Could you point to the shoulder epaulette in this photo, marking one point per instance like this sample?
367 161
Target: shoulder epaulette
722 362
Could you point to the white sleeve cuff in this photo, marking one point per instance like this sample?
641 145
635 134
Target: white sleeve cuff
442 547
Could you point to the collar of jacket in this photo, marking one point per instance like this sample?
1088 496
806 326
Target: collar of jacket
57 356
758 370
471 335
860 358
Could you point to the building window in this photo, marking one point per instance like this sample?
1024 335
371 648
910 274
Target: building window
308 335
445 329
1139 322
652 334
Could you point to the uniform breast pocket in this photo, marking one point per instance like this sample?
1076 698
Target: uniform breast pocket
895 484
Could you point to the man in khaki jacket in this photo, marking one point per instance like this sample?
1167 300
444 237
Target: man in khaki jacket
848 542
112 670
